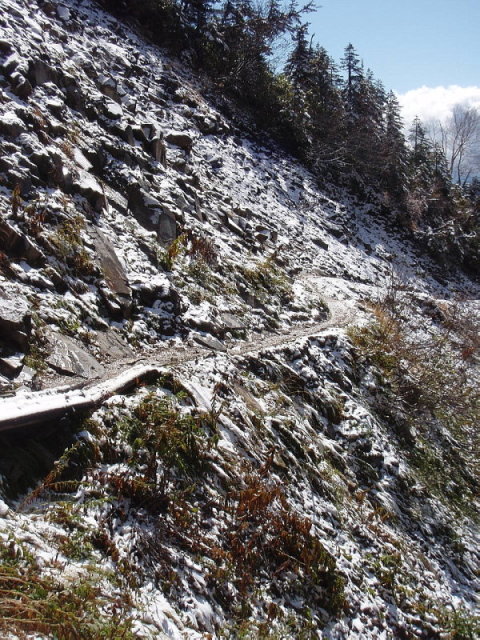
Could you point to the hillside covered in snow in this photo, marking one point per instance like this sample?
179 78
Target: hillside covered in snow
232 404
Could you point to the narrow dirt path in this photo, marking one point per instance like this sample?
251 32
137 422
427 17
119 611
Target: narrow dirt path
39 407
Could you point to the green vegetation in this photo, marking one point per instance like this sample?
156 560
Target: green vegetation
268 279
70 608
68 243
427 387
460 624
178 439
37 346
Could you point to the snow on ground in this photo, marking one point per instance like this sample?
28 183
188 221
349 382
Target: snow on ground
292 418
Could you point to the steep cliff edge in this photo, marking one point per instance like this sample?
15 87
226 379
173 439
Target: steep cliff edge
302 459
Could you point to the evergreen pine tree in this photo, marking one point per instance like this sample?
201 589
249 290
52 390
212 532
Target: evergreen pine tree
394 155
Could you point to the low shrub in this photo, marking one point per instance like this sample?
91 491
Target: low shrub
267 541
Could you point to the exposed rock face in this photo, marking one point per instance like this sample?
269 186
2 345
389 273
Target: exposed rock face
152 215
15 321
112 270
16 244
68 358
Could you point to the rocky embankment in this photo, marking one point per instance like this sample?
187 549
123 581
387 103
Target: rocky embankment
281 473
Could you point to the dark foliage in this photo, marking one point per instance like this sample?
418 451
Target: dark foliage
345 127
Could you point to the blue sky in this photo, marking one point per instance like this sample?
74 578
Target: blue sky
427 51
406 43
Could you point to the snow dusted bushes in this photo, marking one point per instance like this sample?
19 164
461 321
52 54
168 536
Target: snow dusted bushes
35 603
268 279
429 391
266 540
163 437
150 475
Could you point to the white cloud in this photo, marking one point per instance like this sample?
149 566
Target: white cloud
436 102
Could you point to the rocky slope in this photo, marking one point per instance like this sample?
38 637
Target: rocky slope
276 474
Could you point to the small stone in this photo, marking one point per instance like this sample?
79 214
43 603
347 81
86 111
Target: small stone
182 140
209 342
112 110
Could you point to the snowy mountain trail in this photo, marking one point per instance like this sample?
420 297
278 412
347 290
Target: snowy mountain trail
31 408
236 400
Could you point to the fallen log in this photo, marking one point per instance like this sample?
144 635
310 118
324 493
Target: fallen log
42 407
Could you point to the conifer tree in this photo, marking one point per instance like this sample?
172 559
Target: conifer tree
297 68
421 161
364 100
394 148
354 76
326 111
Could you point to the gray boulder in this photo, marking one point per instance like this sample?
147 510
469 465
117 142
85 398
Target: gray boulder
67 357
112 345
11 366
209 342
320 242
206 124
40 72
11 125
152 214
112 110
149 294
182 140
15 321
21 87
5 46
86 185
158 150
5 385
232 322
14 243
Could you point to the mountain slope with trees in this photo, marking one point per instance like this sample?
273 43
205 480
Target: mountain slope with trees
339 120
291 449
